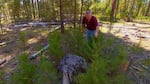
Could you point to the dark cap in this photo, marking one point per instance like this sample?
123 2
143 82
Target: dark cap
88 12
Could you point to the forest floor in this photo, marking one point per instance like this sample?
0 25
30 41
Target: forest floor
138 36
133 34
36 38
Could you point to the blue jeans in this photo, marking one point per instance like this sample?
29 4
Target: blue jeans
90 34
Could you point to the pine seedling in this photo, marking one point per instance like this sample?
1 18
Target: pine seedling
25 71
47 74
55 46
2 77
23 39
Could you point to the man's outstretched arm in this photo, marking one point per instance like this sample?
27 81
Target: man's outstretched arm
97 28
97 31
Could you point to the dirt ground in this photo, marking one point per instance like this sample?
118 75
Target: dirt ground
134 34
138 36
35 38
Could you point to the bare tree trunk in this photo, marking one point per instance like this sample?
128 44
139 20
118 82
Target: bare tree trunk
138 10
33 8
113 10
1 26
74 13
130 12
107 4
81 10
126 5
89 3
38 8
27 9
61 16
53 8
148 10
117 6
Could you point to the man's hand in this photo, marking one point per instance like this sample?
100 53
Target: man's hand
96 32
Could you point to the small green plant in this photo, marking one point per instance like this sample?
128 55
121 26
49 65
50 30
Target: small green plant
136 49
39 47
146 62
77 44
105 54
46 73
107 58
2 77
55 46
23 39
100 72
25 72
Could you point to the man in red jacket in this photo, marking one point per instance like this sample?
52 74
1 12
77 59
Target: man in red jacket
90 23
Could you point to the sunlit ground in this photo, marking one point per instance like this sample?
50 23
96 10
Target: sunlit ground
34 38
143 42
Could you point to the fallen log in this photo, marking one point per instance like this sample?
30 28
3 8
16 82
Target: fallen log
136 68
58 27
33 24
34 56
5 43
8 42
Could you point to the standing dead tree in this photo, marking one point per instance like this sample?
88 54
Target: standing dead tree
131 11
1 25
61 16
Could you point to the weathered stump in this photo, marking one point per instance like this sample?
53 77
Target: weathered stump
70 65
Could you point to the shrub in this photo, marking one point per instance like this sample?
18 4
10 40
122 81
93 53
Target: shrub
77 44
46 73
25 71
107 58
23 39
104 55
55 48
2 77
